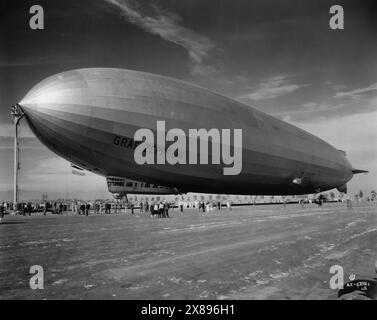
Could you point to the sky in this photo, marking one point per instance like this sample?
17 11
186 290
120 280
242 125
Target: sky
278 56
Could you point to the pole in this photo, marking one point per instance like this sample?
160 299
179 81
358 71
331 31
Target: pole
15 174
17 114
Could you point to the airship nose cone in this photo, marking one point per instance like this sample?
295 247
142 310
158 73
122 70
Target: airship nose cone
55 92
54 106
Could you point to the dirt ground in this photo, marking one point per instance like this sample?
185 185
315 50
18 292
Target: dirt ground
254 252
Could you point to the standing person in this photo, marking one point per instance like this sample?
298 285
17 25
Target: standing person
155 209
319 201
166 209
45 208
87 207
2 209
349 202
82 208
141 206
107 208
151 210
29 209
161 210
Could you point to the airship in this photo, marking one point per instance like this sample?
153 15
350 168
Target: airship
152 134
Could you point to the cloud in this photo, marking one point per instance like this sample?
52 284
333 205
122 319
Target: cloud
312 112
273 88
311 108
166 24
308 112
330 108
356 92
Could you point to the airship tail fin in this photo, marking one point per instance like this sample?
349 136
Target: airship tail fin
342 188
356 171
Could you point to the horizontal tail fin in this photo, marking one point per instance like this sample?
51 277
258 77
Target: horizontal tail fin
356 171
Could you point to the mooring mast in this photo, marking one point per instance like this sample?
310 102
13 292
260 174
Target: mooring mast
16 114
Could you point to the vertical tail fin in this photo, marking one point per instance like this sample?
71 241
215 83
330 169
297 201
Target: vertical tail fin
342 188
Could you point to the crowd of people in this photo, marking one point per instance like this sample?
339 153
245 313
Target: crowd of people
59 207
158 208
207 206
155 208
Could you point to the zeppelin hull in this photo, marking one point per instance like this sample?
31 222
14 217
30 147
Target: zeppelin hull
90 116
